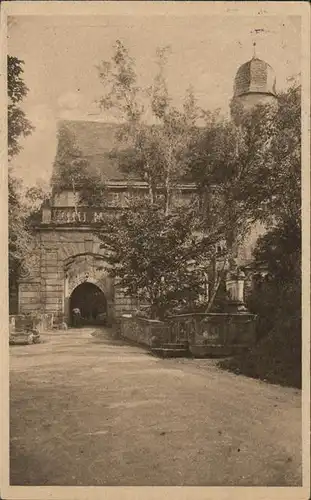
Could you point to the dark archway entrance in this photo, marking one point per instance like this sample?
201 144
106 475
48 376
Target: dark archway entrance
92 304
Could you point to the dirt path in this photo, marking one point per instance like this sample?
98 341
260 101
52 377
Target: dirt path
96 412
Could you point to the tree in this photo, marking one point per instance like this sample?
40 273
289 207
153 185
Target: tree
73 172
150 250
276 299
156 258
71 169
280 250
272 194
34 197
244 170
153 149
18 126
277 296
19 237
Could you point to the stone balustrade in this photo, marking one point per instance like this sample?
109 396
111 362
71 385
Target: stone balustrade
80 216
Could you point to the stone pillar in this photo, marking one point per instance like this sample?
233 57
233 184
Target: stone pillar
240 286
235 288
51 280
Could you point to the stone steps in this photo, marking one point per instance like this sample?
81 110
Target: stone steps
170 350
178 350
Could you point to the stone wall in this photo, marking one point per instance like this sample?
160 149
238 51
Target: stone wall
29 322
214 333
142 331
204 334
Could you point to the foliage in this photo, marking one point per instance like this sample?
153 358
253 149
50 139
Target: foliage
275 359
155 257
24 213
73 172
255 162
276 200
280 250
154 134
71 169
153 142
276 300
19 237
34 197
243 168
18 124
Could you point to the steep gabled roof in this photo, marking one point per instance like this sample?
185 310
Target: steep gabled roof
95 141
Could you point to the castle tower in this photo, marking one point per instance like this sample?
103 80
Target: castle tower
254 84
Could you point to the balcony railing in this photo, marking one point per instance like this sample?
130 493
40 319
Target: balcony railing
79 216
64 215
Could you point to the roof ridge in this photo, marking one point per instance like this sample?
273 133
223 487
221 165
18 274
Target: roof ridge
75 120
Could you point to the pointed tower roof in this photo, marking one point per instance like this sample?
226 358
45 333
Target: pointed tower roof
255 76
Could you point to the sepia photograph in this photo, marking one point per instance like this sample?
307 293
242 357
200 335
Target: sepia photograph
154 258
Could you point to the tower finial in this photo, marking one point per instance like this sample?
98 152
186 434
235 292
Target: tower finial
254 50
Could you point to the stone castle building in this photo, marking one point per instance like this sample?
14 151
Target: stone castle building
66 266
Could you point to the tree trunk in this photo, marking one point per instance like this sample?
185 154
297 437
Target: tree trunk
167 194
167 186
217 280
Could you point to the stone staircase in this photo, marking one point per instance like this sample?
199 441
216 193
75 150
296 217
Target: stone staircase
172 350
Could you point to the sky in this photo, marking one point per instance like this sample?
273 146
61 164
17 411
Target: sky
61 55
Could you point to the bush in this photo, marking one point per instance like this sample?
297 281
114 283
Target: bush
277 302
276 358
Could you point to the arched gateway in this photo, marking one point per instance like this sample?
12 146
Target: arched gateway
66 267
91 302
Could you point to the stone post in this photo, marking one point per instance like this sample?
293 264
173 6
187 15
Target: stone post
235 288
240 286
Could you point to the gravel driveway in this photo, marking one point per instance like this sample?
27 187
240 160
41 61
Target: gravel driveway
95 411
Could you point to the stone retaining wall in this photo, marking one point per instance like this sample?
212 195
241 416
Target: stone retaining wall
205 334
143 331
213 328
214 334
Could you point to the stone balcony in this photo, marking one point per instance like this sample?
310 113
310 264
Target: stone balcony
60 216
